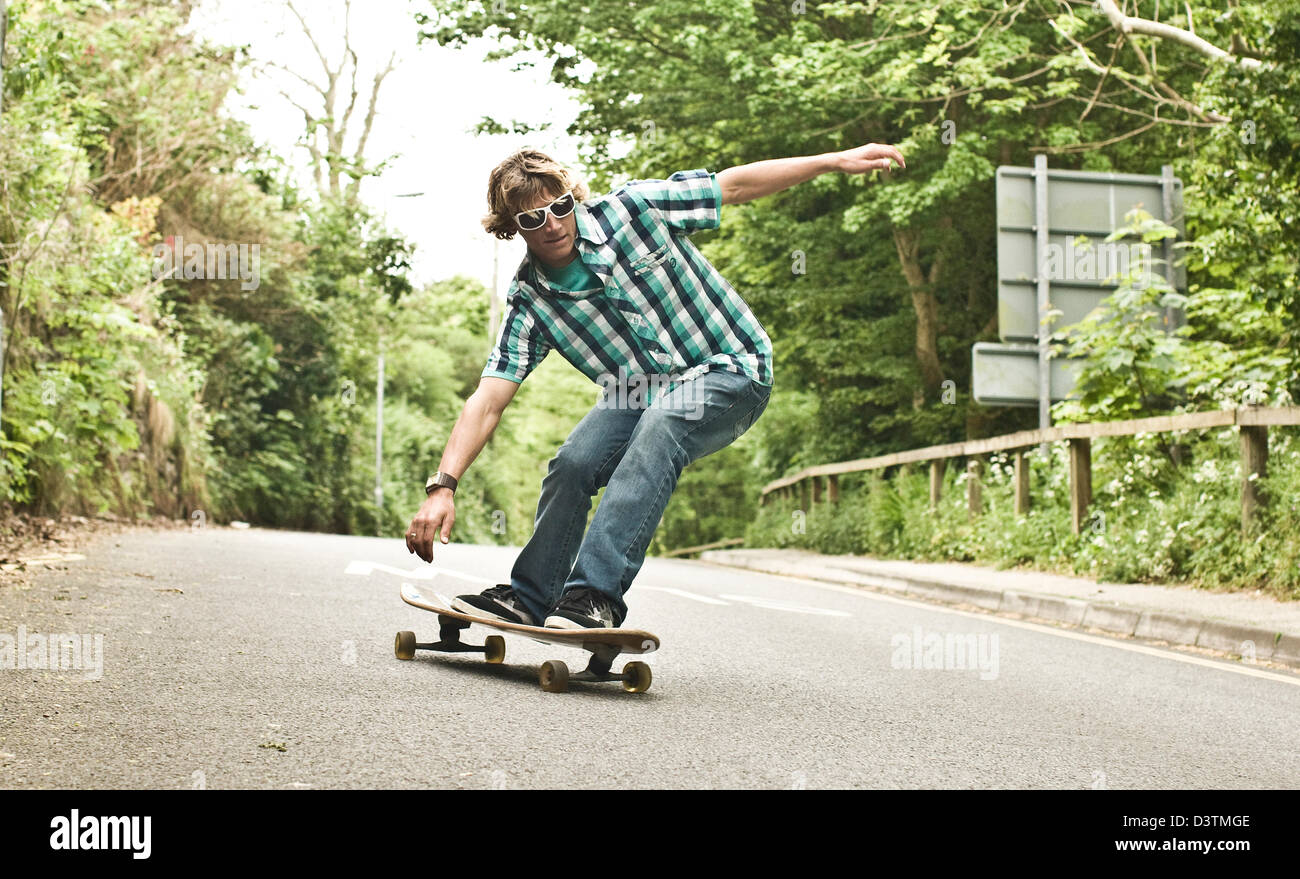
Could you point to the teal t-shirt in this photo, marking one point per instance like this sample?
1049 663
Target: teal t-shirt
573 278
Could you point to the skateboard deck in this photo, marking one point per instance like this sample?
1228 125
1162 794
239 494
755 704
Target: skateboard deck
604 645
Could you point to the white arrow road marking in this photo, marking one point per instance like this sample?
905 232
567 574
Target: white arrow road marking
364 569
429 573
684 594
774 604
462 575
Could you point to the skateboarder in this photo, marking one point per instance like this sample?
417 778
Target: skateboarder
616 286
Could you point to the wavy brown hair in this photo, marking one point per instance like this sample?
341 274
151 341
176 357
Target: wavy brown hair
525 178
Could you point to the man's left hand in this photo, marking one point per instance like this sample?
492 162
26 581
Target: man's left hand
872 157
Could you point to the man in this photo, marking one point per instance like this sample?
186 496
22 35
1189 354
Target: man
615 285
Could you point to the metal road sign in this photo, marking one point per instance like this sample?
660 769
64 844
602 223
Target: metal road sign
1043 216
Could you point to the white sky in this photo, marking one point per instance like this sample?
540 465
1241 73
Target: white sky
426 108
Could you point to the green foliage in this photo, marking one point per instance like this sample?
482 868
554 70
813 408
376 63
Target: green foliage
96 406
133 393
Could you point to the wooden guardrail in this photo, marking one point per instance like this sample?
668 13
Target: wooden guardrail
1252 422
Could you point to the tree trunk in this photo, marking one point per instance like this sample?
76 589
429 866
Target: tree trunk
924 302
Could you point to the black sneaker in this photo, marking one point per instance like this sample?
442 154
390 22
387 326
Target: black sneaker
583 608
496 602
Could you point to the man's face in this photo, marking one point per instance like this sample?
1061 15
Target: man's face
554 243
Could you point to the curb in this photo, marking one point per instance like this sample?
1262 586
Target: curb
1249 642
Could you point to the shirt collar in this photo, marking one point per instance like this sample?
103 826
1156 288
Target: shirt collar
588 228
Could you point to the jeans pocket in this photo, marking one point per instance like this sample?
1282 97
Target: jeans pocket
762 395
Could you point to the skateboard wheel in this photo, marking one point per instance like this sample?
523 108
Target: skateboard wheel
404 646
637 678
554 676
494 649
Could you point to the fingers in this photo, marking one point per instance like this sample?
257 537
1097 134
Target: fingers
423 530
874 157
419 540
880 155
424 542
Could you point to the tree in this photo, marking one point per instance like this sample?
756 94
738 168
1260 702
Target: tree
327 129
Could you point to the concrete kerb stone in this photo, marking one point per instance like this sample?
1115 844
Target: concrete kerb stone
1112 618
986 598
1169 627
1233 638
1062 610
1022 603
884 584
1287 649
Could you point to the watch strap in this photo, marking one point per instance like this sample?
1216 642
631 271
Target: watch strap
440 480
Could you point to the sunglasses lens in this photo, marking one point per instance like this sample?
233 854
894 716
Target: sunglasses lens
563 206
530 220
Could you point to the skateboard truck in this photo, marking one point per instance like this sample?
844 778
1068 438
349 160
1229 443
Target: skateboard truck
554 675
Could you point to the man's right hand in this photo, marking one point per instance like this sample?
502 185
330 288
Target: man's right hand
437 514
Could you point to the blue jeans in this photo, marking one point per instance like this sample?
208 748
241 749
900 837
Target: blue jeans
637 453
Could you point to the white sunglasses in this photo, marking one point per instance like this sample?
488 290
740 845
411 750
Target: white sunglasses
536 219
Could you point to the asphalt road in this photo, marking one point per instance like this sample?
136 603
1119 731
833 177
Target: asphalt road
254 659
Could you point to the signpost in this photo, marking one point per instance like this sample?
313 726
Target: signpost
1042 267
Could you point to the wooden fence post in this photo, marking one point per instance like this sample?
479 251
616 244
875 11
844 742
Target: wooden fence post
974 497
816 490
1080 482
1022 483
937 467
833 488
1254 461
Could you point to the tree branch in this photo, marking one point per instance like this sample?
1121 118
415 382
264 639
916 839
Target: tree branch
1128 24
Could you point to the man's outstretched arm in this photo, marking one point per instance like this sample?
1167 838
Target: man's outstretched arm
747 182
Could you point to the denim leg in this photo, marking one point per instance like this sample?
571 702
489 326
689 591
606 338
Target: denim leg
697 418
581 466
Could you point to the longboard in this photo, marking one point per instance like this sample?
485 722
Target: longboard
604 645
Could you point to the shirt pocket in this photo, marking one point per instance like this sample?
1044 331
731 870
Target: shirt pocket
643 260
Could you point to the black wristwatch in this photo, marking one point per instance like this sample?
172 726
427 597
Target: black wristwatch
440 480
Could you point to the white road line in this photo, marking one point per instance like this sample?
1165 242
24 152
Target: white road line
1037 627
777 604
682 593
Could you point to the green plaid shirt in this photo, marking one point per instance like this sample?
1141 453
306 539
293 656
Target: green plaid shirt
663 310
